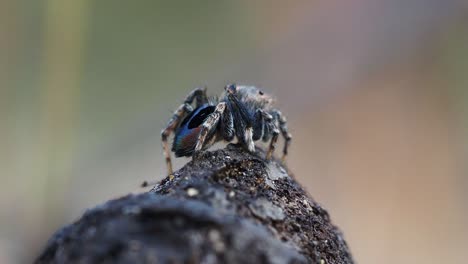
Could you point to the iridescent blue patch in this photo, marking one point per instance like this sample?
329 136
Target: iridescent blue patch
187 133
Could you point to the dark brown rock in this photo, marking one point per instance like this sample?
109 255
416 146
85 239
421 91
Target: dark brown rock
225 206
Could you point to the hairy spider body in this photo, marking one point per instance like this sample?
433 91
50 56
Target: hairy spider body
243 112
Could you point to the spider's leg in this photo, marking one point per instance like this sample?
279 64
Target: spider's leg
267 130
283 127
227 125
248 139
258 127
242 117
274 139
173 123
198 94
209 125
262 125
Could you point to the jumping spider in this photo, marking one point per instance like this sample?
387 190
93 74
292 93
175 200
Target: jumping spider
244 112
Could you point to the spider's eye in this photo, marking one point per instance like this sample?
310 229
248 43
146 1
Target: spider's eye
199 117
260 92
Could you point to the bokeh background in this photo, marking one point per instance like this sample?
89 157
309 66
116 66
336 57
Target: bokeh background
376 94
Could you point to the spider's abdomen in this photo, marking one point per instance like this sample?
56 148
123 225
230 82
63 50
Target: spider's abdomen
186 136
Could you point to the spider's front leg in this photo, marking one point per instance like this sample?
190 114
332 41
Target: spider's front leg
209 125
199 95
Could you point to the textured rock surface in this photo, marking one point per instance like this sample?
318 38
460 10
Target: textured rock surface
225 206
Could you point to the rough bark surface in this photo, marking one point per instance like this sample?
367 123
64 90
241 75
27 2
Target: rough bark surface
225 206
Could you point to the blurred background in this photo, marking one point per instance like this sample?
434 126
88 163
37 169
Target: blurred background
376 94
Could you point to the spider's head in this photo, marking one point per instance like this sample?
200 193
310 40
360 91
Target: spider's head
186 135
249 94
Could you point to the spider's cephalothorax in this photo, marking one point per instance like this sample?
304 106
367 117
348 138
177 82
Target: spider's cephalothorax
242 112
